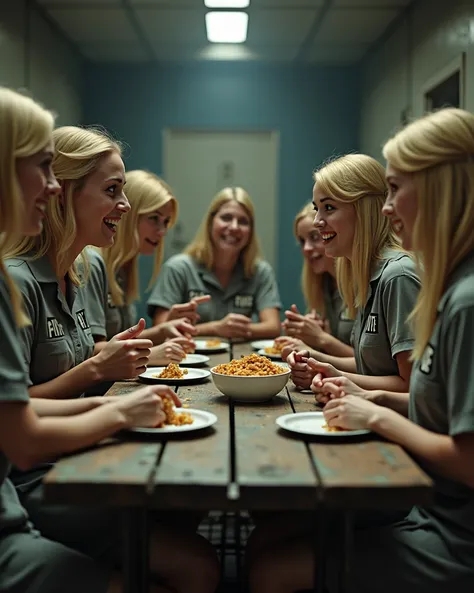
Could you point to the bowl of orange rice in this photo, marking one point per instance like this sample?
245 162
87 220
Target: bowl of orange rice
252 378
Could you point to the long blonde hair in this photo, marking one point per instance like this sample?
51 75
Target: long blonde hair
25 129
311 283
438 151
201 246
77 155
359 179
146 193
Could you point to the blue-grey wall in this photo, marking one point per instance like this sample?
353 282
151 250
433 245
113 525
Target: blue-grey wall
316 111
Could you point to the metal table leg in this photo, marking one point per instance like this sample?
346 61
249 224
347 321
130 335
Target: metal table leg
136 552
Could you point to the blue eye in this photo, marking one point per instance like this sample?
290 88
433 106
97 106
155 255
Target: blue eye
328 207
111 189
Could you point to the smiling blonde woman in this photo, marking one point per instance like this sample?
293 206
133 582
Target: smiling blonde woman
223 262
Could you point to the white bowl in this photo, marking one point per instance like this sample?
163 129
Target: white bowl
250 389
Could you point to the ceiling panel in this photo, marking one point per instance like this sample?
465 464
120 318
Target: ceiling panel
286 27
116 51
371 3
196 4
94 25
172 26
336 54
295 4
78 3
348 26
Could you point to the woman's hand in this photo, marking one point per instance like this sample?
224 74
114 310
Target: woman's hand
234 325
321 371
177 328
289 345
188 310
125 356
308 328
350 412
336 387
170 351
301 373
144 407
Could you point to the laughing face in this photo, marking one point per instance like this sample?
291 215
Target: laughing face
100 203
336 222
37 185
153 227
401 204
312 246
231 228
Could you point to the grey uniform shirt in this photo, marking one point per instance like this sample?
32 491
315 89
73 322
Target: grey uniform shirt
59 336
105 318
340 324
96 294
442 401
182 278
12 389
380 329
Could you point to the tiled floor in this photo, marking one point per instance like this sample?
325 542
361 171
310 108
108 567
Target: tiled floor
228 532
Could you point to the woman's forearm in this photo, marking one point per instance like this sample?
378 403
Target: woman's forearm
397 401
68 407
448 456
346 364
334 347
210 328
385 383
69 384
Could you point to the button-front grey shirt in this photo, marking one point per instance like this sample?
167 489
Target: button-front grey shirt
12 389
336 312
181 278
442 401
381 330
59 336
105 318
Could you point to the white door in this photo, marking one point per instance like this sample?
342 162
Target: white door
198 164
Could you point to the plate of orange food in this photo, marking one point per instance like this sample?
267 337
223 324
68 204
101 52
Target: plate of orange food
314 424
173 374
211 345
179 420
268 348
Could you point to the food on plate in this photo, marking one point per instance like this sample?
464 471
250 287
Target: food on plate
213 343
172 371
332 428
250 366
172 417
274 349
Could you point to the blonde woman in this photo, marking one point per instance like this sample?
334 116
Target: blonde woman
430 171
113 286
35 430
326 327
376 277
57 345
222 261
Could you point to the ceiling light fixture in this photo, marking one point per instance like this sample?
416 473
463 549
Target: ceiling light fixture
227 27
226 3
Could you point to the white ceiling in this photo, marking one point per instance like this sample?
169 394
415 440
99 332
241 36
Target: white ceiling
306 31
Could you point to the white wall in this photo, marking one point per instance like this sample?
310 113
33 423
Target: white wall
432 34
33 55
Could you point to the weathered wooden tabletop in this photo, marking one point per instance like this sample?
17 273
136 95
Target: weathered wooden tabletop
243 462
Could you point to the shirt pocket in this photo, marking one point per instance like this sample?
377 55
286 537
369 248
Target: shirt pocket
51 359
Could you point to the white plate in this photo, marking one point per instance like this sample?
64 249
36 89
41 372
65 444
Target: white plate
202 419
272 356
311 423
261 344
202 347
194 360
192 376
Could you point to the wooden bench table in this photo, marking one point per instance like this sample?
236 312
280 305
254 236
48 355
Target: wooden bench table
242 463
